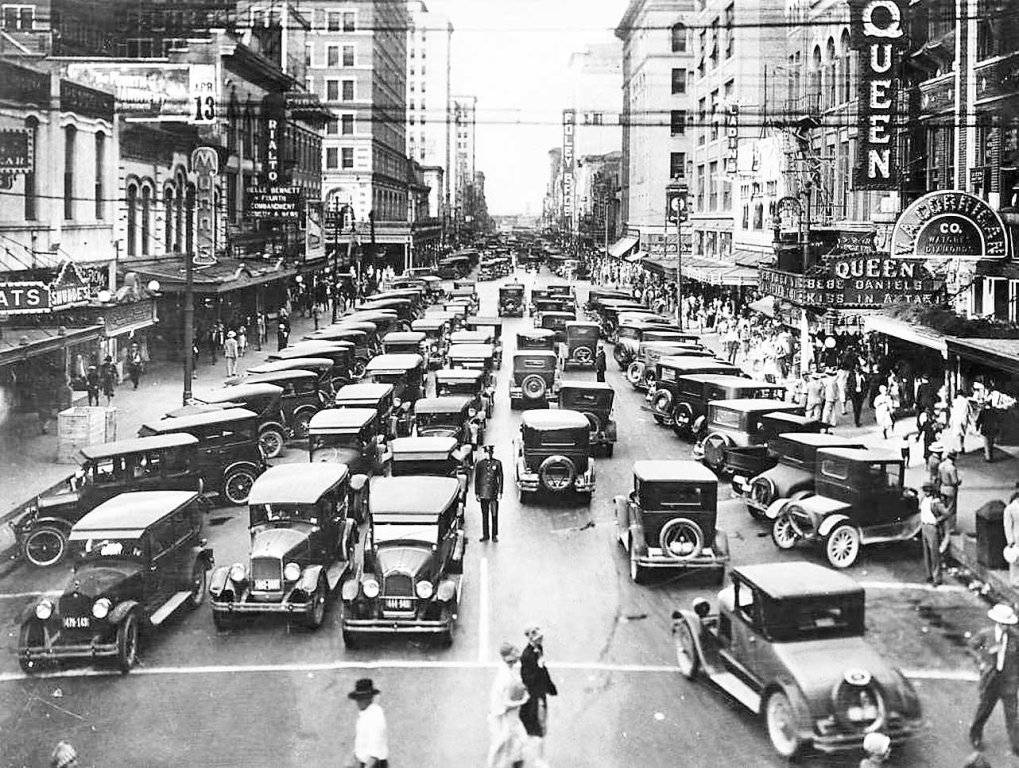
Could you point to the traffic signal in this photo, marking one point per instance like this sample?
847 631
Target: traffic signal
677 209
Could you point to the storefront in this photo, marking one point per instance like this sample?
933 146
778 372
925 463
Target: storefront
993 363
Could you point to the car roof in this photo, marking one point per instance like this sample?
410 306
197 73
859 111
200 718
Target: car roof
334 335
471 350
369 315
365 391
470 337
580 323
535 333
325 345
680 362
544 353
558 314
293 374
296 483
240 392
412 495
444 404
199 420
560 418
341 418
393 362
484 320
669 470
293 364
594 386
428 321
459 374
748 404
791 418
403 336
129 514
728 380
136 445
797 579
860 454
820 439
423 444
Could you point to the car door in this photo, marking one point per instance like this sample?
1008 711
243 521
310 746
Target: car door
743 651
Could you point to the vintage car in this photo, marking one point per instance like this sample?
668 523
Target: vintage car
491 327
643 370
453 267
405 372
394 417
694 391
594 400
302 542
667 522
301 397
859 498
404 343
787 642
266 400
793 474
664 385
468 292
106 470
477 357
535 339
403 307
230 458
363 343
633 332
349 436
553 453
535 379
581 344
564 290
608 311
330 376
555 322
410 573
469 382
511 300
436 331
343 352
450 416
384 320
138 558
434 456
735 424
750 460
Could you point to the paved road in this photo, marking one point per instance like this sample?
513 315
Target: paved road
265 695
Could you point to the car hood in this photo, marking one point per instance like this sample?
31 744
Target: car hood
95 580
402 558
276 542
820 506
347 456
787 479
58 499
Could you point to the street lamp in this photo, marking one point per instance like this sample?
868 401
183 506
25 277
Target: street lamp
676 211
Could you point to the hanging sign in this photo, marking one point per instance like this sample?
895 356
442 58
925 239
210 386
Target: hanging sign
949 224
203 94
17 152
205 167
569 129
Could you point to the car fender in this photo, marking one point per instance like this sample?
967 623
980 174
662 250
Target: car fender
240 465
693 621
801 711
611 434
637 536
829 523
776 508
273 425
218 580
309 579
121 610
57 522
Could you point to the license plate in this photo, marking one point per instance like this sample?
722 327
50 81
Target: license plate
267 585
399 604
77 622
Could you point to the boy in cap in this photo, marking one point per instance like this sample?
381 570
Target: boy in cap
371 741
997 650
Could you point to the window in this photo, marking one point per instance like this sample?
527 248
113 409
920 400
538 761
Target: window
701 120
348 55
332 157
349 21
730 38
830 86
847 74
332 90
132 220
332 55
70 137
726 195
347 157
677 164
333 127
333 22
679 81
100 174
307 54
347 125
168 218
678 38
714 114
146 219
713 186
677 122
19 18
348 90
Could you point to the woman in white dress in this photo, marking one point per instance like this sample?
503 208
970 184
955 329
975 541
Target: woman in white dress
508 694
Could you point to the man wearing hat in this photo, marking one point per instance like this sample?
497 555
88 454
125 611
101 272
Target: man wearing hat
997 649
948 487
371 743
488 482
230 352
936 453
932 515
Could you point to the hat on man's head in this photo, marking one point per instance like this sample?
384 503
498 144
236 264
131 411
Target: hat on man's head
1003 614
231 335
490 448
937 448
364 689
877 744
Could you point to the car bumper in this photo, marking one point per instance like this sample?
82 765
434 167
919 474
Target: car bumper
842 742
283 606
531 482
516 393
96 649
656 558
398 626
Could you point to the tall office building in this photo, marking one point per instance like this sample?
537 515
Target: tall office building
464 117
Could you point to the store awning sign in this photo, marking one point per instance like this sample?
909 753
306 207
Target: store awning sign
22 298
949 224
17 153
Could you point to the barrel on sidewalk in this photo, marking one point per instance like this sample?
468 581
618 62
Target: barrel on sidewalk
991 535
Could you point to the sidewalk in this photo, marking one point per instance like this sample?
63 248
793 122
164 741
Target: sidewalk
28 458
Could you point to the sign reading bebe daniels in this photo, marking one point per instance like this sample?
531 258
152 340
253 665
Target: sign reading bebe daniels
949 224
878 35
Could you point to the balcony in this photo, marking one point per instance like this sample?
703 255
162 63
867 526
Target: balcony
997 78
937 95
803 111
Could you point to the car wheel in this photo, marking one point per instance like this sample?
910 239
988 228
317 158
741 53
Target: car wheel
633 372
313 619
783 533
127 643
301 422
350 639
357 368
638 572
198 585
843 546
781 723
271 441
31 636
687 658
533 387
237 485
45 546
714 452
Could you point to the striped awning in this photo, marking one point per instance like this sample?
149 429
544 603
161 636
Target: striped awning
622 246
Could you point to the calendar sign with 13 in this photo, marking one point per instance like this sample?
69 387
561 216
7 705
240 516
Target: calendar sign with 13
203 94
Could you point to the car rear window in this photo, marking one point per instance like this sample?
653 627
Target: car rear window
661 495
836 469
809 619
628 333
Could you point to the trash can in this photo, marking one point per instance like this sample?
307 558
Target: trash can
991 535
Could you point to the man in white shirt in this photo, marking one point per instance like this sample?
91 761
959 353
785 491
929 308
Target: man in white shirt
932 514
371 742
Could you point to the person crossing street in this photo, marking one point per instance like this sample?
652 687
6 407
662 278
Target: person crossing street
371 739
997 650
488 484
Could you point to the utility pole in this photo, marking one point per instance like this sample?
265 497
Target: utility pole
336 255
676 211
189 322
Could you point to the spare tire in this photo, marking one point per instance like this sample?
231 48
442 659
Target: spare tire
583 355
714 451
662 402
634 372
858 702
557 473
533 387
593 420
681 538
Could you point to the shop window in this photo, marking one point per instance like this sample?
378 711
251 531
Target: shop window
100 175
132 220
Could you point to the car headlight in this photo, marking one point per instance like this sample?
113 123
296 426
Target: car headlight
349 590
472 412
237 572
370 588
446 591
292 572
44 610
397 402
101 608
424 589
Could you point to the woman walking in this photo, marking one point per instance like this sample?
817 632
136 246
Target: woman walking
534 673
883 410
506 730
108 378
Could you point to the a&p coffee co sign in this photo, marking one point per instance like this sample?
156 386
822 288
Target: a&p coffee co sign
949 225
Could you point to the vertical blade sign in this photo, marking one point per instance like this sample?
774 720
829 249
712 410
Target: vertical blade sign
878 35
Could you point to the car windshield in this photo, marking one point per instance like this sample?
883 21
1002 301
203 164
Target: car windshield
583 333
270 513
725 418
93 550
426 420
811 618
421 466
337 440
661 495
388 378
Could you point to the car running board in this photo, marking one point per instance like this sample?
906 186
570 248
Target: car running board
736 688
335 572
169 607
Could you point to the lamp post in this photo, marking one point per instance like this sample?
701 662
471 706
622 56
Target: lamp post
676 211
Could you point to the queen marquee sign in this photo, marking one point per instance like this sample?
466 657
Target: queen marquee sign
949 225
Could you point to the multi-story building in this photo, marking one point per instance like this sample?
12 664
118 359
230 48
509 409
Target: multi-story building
551 207
597 196
464 117
430 98
658 64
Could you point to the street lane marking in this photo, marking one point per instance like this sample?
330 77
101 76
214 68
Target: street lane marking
894 585
26 595
334 666
483 649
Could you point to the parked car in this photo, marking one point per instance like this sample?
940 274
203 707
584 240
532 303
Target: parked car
454 416
405 343
596 295
300 400
405 372
694 391
411 569
736 424
553 453
752 459
668 521
349 436
581 344
535 339
404 309
511 300
266 400
468 292
302 543
230 456
436 331
632 333
469 382
643 370
138 558
793 474
535 379
343 353
486 327
859 498
608 314
363 341
330 376
787 642
594 400
106 470
664 387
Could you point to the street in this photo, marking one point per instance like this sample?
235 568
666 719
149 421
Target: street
267 695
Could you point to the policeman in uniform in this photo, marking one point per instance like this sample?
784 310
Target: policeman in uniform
488 484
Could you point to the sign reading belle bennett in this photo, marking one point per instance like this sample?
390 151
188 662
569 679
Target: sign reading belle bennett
949 225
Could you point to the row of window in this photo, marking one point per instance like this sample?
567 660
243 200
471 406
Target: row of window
72 176
714 42
339 90
712 243
18 18
339 158
712 130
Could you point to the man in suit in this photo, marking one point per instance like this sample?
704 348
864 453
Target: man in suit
599 363
948 486
997 649
488 482
932 515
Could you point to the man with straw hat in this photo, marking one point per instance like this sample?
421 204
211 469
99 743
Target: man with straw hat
997 649
371 741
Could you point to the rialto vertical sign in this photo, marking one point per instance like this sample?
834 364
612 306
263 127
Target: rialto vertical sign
878 35
569 131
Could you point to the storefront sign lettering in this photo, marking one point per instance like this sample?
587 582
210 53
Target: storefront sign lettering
949 224
274 119
279 203
205 166
856 281
569 126
203 94
17 152
856 242
22 85
88 102
158 91
878 35
24 297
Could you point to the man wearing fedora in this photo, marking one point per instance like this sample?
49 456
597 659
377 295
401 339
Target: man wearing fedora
997 650
949 482
488 482
371 743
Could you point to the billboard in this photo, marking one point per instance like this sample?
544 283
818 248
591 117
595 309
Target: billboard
948 224
569 131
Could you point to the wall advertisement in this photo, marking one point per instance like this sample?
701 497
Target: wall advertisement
569 164
949 224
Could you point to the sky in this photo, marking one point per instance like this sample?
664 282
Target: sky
513 55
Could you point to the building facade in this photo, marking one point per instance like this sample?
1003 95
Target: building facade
464 124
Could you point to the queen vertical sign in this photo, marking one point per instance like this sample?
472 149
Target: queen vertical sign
878 35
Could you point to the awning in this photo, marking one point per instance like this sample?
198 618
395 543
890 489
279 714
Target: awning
24 343
621 246
998 354
913 334
227 274
766 306
664 267
635 257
